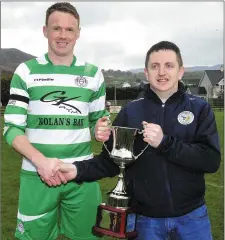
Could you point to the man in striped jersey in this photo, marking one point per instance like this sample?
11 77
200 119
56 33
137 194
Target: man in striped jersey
54 102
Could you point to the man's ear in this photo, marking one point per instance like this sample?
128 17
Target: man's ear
181 73
78 33
45 31
146 73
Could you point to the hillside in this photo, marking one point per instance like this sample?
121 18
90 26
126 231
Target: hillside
11 58
187 69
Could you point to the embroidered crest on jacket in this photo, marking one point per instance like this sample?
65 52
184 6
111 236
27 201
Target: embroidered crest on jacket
185 117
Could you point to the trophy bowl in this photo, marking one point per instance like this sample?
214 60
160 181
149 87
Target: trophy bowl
123 140
112 217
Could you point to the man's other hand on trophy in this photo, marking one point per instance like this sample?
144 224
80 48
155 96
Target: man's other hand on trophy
152 133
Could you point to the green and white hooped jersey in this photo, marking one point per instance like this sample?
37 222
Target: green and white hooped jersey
55 106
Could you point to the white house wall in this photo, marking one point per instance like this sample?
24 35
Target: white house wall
205 82
219 88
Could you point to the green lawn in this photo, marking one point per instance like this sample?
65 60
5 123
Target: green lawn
11 163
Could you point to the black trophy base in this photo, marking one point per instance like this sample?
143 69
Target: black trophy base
112 222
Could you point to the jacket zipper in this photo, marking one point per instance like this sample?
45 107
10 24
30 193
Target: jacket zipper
165 168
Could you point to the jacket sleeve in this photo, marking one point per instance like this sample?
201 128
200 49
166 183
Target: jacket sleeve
102 165
203 155
99 167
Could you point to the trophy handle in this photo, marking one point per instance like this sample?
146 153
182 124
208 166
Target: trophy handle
106 148
137 156
113 132
140 131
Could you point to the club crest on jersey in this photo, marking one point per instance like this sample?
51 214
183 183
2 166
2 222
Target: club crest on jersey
185 117
81 81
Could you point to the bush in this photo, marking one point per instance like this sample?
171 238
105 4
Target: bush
5 85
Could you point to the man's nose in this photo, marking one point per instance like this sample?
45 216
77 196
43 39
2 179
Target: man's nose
161 70
63 33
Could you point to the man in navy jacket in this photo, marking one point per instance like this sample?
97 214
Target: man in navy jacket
166 183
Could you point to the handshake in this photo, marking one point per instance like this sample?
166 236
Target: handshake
60 174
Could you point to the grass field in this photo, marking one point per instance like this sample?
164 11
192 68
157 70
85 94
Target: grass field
10 167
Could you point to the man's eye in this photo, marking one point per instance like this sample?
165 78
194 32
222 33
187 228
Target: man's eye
170 65
56 28
154 66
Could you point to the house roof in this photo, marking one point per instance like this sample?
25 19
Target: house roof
191 81
198 90
215 76
192 78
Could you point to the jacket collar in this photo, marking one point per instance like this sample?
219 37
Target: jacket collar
150 94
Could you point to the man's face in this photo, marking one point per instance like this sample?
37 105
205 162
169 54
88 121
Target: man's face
163 71
62 32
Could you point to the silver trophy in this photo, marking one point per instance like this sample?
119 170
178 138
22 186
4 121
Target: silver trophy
117 209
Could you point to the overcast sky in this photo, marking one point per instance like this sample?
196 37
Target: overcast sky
118 35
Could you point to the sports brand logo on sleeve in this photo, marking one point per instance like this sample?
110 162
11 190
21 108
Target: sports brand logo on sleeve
12 102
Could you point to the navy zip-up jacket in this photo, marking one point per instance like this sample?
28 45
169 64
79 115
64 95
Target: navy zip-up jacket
166 181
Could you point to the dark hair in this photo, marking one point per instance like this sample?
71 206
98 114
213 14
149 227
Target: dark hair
164 45
62 7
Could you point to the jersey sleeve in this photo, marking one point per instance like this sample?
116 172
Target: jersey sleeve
97 102
16 110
